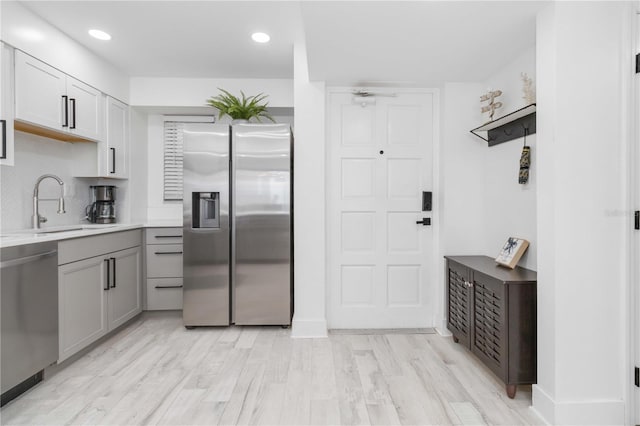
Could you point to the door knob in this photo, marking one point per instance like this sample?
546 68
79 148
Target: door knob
426 221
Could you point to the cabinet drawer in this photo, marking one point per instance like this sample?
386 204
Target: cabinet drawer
97 245
164 294
163 236
164 261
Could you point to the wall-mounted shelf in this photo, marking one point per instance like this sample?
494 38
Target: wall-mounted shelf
508 127
22 126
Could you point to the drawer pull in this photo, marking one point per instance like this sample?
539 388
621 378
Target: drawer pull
168 286
168 252
167 236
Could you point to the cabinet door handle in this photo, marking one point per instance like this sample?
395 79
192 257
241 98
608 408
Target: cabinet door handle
168 252
65 106
108 275
4 138
114 271
113 160
73 112
168 286
167 236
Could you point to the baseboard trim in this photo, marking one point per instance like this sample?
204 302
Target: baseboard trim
587 412
366 331
441 328
306 329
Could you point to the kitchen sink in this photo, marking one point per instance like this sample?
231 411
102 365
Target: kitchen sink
27 233
46 232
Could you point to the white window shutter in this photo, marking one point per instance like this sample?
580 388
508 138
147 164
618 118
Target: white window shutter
173 160
173 128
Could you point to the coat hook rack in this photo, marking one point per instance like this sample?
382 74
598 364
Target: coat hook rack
509 127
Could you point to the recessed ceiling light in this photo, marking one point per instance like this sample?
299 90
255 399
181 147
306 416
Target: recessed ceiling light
260 37
100 35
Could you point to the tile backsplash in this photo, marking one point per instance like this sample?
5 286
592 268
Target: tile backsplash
35 156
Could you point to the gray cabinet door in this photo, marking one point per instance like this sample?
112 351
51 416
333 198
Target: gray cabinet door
82 299
125 287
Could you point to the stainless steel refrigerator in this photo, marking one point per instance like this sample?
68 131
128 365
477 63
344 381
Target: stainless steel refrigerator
237 224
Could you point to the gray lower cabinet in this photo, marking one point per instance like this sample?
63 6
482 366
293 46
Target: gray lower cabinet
82 304
97 295
163 268
124 298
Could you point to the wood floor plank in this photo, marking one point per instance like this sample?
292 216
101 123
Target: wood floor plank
353 410
156 372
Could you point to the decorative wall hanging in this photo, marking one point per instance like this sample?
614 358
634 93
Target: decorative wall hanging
525 161
512 251
528 91
492 106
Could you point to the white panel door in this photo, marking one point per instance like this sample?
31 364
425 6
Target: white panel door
85 109
40 93
380 259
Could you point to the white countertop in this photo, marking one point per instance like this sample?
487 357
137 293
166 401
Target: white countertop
31 236
164 223
56 233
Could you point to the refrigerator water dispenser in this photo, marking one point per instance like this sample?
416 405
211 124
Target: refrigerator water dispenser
206 210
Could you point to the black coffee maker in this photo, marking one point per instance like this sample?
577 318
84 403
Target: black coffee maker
102 208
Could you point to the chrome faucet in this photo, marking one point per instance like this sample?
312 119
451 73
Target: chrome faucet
36 219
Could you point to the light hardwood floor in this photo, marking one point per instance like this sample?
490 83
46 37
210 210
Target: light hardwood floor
156 372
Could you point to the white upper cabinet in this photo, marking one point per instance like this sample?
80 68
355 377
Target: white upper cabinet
47 97
6 105
85 109
40 91
114 158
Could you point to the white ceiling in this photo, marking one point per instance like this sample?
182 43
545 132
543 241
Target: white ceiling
418 42
348 42
183 38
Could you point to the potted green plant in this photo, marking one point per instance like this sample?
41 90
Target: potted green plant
243 108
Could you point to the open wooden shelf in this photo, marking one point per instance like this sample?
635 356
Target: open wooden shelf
508 127
48 133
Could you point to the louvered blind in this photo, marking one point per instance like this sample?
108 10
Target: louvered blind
173 160
173 131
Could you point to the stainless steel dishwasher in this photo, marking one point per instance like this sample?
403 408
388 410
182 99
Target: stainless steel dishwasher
29 315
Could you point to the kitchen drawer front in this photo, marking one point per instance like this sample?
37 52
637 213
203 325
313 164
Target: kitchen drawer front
164 261
163 236
164 294
97 245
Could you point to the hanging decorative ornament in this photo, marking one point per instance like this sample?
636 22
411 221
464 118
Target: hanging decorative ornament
525 161
492 106
528 91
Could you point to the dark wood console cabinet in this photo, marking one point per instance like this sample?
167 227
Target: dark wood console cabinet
492 311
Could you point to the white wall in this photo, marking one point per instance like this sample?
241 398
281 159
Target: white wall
28 32
583 217
194 92
509 207
309 202
461 194
481 202
35 156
